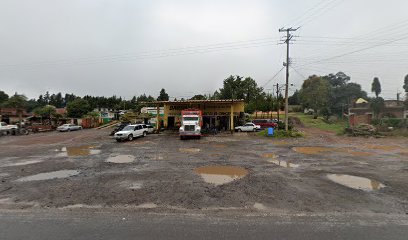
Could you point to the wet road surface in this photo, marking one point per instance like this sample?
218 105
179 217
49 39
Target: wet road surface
104 225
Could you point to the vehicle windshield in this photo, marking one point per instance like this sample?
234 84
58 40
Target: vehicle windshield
128 128
190 119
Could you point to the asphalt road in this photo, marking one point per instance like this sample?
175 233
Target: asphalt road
61 225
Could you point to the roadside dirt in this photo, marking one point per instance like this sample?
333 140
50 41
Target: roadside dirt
158 173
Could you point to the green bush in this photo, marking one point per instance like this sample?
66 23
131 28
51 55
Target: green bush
391 122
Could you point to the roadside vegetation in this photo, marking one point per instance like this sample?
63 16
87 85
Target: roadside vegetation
281 133
309 121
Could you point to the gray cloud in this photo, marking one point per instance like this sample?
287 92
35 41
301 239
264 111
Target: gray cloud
132 47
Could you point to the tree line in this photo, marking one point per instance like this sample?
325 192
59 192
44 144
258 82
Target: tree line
326 95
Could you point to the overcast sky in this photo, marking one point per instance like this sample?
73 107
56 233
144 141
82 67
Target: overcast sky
130 47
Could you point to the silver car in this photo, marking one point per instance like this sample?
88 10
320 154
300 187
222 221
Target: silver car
68 127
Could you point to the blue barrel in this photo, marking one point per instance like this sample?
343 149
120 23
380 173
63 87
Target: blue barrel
270 131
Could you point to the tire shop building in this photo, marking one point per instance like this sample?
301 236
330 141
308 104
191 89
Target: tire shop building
221 114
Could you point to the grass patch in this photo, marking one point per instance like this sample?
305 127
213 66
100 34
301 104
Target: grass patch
319 123
281 134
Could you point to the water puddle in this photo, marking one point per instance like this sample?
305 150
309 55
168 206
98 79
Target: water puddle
270 155
361 154
260 206
131 185
356 182
219 146
121 159
312 150
284 163
50 175
22 163
147 205
78 151
219 175
280 143
189 150
382 147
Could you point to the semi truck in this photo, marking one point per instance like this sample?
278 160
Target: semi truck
191 123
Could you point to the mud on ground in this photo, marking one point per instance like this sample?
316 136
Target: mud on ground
159 173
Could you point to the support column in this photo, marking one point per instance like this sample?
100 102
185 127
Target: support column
232 119
158 118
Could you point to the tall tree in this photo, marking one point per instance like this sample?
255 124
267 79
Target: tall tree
377 105
315 93
342 92
199 97
406 83
18 102
163 96
3 97
376 87
77 108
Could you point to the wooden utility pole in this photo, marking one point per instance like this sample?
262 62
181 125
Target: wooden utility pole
277 99
288 37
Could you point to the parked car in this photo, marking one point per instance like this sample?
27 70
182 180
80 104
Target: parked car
248 127
266 123
150 128
5 127
130 132
68 127
119 127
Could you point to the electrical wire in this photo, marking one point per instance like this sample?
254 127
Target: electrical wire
274 76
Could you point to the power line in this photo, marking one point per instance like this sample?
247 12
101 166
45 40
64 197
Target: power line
157 53
358 50
274 76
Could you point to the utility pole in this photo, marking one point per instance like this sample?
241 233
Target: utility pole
288 37
277 99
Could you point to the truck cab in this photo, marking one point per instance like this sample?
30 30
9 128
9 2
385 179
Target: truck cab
191 123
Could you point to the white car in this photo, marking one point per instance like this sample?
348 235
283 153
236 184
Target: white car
130 132
150 128
248 127
68 127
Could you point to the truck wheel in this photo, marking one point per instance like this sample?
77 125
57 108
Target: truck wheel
239 130
130 137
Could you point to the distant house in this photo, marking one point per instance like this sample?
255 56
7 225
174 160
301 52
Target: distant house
361 112
12 115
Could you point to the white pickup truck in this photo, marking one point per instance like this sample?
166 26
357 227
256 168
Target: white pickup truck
5 128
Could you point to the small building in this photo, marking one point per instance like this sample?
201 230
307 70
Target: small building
222 114
361 111
12 115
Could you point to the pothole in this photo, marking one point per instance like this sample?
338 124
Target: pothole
22 163
219 175
121 159
355 182
49 175
78 151
270 155
284 163
189 150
